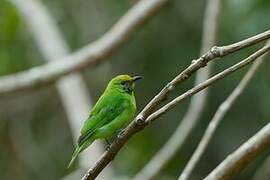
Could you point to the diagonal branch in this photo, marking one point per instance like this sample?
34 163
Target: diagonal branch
142 120
90 55
197 103
219 115
241 157
207 83
213 53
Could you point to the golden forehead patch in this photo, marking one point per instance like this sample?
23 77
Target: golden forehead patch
125 77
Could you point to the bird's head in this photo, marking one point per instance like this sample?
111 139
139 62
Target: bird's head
124 83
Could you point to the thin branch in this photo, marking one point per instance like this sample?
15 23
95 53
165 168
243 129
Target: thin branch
141 120
90 55
207 83
241 157
197 103
217 118
215 52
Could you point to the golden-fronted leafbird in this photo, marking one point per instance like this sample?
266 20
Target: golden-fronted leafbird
113 110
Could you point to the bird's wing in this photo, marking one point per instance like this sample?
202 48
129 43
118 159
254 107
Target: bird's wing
109 110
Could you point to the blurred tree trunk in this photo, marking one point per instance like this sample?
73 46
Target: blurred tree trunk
72 88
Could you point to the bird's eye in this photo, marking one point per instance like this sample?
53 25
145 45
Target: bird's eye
123 83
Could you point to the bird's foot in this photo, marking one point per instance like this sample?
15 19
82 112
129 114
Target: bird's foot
108 146
120 133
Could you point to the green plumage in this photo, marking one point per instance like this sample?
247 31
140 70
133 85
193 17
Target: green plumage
112 111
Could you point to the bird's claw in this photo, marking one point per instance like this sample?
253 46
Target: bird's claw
108 146
120 133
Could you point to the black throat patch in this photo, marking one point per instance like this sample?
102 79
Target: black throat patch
128 90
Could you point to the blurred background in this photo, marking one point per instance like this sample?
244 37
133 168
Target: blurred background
34 132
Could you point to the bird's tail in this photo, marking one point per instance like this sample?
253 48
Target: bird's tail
78 150
75 155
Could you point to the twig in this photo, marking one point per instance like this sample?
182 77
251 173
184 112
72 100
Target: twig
241 157
90 55
215 52
141 120
217 118
207 83
52 45
197 103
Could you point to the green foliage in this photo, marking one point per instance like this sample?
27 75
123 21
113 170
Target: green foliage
16 49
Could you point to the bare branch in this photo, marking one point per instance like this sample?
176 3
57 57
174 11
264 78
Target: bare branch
219 115
207 83
197 103
141 120
201 62
240 158
90 55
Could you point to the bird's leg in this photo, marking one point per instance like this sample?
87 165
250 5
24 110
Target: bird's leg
108 144
120 133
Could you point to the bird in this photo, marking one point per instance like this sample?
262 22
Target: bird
113 110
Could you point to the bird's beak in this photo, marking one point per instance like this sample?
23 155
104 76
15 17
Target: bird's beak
136 78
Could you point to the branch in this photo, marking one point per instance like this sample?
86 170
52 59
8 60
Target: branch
219 115
160 160
240 158
207 83
90 55
215 52
142 120
52 45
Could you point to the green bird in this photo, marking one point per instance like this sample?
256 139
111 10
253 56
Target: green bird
113 110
